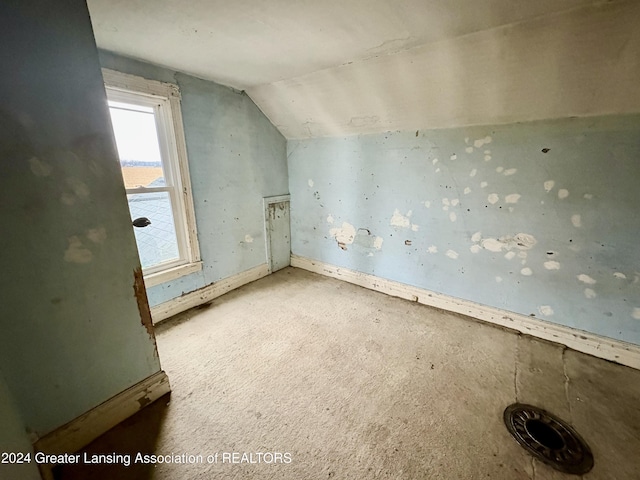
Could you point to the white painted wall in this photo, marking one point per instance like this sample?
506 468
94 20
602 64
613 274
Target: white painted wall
579 63
253 42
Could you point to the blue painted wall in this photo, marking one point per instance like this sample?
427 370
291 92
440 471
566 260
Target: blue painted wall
13 437
236 157
538 218
72 334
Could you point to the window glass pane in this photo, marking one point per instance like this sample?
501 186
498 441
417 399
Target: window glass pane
134 127
157 242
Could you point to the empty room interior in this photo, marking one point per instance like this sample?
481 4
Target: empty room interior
320 239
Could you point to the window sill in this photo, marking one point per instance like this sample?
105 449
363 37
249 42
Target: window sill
153 279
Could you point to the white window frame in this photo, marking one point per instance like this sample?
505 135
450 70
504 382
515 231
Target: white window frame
164 98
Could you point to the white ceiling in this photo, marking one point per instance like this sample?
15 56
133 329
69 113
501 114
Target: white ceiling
332 67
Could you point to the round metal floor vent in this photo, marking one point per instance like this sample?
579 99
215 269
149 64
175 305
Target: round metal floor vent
548 438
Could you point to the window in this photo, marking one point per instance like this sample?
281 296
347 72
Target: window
147 124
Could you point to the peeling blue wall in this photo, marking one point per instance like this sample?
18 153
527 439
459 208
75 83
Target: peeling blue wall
539 218
236 157
72 334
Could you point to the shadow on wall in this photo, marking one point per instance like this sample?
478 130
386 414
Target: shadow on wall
137 435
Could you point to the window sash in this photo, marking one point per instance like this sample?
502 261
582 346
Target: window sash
181 260
164 100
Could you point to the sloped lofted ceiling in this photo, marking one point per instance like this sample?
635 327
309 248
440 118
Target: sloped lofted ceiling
342 67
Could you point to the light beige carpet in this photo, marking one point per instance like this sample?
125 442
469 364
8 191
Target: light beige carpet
352 384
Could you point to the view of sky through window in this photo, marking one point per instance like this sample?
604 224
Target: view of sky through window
134 127
136 137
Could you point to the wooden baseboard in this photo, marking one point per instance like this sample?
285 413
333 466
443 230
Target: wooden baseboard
81 431
602 347
208 293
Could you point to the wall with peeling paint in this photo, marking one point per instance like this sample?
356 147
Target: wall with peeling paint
72 334
535 218
236 157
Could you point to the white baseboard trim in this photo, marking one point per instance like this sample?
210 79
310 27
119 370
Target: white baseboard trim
81 431
208 293
602 347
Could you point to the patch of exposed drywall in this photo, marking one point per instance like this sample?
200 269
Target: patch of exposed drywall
403 221
77 252
347 234
344 235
